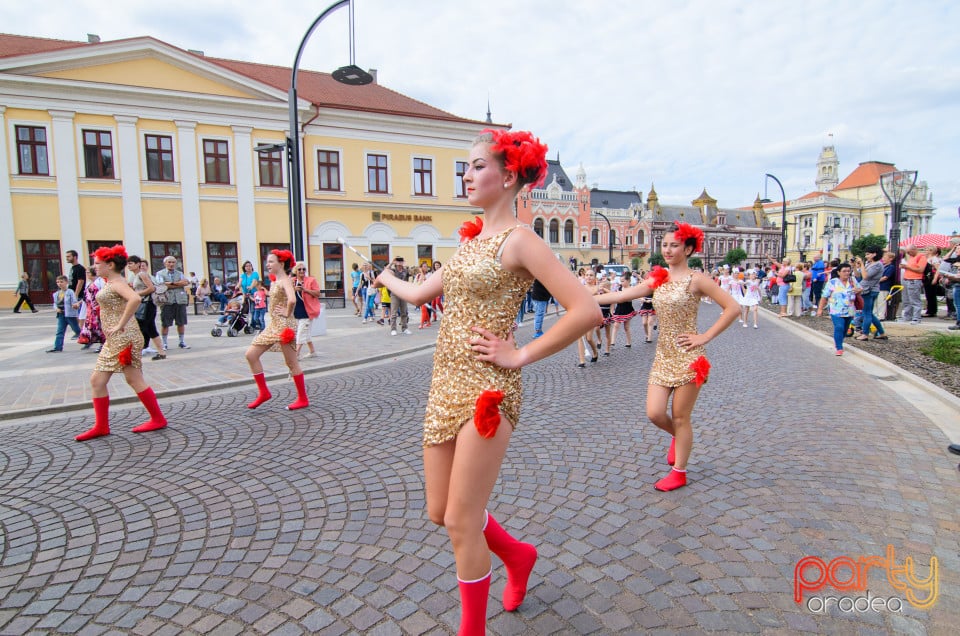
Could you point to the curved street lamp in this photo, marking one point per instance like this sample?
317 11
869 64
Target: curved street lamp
349 74
783 215
609 235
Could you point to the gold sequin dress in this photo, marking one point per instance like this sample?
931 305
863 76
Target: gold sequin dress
676 308
277 305
478 292
112 305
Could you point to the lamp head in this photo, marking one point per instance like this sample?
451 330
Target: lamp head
352 75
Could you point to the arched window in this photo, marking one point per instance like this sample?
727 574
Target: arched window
538 227
640 238
554 231
568 232
595 236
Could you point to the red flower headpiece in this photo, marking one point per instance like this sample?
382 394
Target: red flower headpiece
486 417
125 357
285 257
700 366
109 253
657 276
470 229
686 231
522 153
287 336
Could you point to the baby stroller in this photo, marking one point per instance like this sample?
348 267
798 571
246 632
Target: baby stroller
234 320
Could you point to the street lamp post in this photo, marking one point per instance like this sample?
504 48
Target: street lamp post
897 186
350 74
609 236
783 216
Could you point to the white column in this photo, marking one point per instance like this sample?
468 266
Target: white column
9 249
190 196
68 193
243 159
129 150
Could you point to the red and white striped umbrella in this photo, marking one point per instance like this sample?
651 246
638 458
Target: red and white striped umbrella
926 240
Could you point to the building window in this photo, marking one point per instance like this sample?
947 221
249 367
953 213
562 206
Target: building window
538 227
159 250
216 161
32 150
595 236
377 174
222 262
328 168
98 154
640 237
270 166
380 255
159 157
554 231
425 254
333 268
422 176
568 232
459 188
613 237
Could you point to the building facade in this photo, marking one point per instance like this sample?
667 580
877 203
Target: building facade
828 219
174 153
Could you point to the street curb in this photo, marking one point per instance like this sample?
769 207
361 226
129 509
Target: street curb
946 398
227 384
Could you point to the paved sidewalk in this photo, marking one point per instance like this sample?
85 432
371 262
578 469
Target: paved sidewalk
33 382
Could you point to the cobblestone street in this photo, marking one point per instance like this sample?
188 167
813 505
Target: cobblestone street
239 522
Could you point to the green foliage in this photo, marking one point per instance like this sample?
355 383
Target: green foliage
942 347
694 262
860 245
735 256
657 259
635 263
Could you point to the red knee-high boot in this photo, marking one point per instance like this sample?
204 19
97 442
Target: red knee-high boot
672 453
101 422
157 420
264 393
473 606
519 558
301 400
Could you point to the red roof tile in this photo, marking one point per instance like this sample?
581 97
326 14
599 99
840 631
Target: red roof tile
867 173
318 88
815 194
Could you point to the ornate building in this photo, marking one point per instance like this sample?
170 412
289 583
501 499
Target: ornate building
831 217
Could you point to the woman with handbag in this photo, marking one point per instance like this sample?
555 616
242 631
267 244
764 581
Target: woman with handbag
785 280
840 293
146 314
870 273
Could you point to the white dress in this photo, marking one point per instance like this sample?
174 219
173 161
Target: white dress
751 293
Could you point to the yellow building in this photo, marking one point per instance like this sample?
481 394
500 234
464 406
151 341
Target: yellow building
140 142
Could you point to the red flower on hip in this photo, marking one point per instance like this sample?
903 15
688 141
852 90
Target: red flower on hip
288 335
700 366
486 417
125 357
470 229
657 276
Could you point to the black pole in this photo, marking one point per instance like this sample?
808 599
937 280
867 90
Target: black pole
783 219
293 141
609 236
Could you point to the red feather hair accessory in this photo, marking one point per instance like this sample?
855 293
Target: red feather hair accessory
470 229
273 278
285 257
109 253
522 153
486 417
125 357
700 366
657 276
287 336
685 231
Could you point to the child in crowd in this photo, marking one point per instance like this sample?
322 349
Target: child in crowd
259 306
67 305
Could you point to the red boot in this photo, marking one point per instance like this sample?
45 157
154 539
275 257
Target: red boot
101 421
264 394
517 556
157 420
672 453
473 606
676 479
301 400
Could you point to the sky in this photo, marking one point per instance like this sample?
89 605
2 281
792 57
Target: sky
683 95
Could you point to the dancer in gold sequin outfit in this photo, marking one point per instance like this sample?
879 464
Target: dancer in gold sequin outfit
477 364
679 364
280 335
121 351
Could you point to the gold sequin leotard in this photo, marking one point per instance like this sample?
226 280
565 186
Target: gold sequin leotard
479 292
112 305
271 335
676 308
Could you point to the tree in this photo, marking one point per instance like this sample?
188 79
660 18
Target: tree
735 256
694 262
657 259
860 245
635 263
